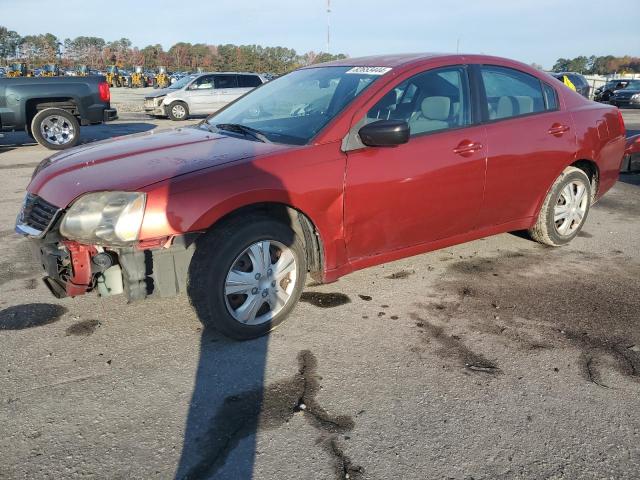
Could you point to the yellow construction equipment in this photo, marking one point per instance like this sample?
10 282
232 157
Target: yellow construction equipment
114 78
18 70
162 78
82 71
50 70
138 78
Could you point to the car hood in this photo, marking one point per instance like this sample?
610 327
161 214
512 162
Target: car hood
136 161
161 93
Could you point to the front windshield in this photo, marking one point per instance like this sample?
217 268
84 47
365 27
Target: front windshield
182 82
294 108
633 85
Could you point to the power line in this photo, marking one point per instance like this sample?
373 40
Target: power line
328 26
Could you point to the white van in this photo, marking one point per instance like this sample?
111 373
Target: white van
200 94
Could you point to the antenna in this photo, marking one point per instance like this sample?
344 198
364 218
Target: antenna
328 26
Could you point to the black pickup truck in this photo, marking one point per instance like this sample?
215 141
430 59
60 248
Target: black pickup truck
52 109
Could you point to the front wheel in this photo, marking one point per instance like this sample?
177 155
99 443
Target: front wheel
564 210
246 277
55 129
178 111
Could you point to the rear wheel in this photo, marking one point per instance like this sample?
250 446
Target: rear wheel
55 129
564 210
178 111
246 277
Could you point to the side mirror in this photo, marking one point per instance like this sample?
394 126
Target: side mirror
385 133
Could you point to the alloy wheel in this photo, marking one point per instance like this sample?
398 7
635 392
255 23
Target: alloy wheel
57 130
571 207
178 111
260 282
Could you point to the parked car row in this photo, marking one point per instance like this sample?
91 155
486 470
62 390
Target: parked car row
628 96
618 92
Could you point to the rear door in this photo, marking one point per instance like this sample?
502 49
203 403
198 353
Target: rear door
427 189
530 138
226 89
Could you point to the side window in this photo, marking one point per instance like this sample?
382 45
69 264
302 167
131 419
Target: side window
226 81
511 93
203 83
430 101
550 97
249 81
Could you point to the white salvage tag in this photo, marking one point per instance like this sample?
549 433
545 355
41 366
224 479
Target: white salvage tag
369 70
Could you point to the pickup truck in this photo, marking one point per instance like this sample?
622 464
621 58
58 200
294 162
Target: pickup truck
51 110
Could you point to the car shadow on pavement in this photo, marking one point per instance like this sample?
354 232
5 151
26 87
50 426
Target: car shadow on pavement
225 408
91 133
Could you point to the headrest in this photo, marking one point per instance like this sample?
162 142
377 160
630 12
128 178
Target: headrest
436 108
510 106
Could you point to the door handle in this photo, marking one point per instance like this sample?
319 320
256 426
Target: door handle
466 148
557 129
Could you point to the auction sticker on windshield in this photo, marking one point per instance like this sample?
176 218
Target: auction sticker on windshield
369 70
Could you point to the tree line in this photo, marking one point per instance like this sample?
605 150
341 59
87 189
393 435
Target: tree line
99 53
605 65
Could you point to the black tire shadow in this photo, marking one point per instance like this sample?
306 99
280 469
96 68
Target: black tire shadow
89 133
94 133
30 315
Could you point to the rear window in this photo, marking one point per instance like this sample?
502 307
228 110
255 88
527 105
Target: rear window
249 81
226 81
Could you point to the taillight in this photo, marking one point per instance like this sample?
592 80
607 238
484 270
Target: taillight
623 129
103 91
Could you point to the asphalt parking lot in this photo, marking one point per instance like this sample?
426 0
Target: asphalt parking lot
496 359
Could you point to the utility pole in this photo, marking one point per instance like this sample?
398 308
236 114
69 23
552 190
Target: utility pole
328 26
458 45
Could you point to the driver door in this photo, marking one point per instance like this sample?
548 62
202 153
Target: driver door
427 189
199 94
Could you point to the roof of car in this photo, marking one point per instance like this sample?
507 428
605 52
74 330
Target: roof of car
408 59
224 73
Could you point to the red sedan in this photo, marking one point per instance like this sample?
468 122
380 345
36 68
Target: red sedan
326 170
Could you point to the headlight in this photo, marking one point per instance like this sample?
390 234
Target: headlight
111 218
636 96
158 101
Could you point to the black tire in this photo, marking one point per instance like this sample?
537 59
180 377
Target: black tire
546 229
178 111
69 134
217 251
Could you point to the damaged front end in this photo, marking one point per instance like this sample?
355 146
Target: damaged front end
72 268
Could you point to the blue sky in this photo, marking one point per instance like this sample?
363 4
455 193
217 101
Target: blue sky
531 31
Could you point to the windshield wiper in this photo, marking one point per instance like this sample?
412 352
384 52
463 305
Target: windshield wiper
243 129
